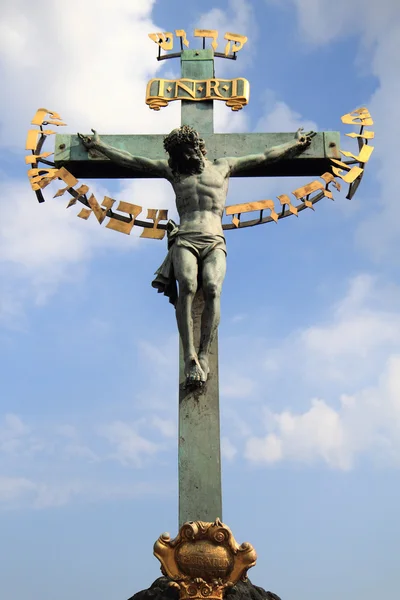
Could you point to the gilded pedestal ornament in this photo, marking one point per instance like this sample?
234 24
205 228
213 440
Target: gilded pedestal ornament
204 559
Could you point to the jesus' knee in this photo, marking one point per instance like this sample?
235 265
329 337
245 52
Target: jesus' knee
187 287
211 290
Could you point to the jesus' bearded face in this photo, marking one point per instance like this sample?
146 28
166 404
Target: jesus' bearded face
187 158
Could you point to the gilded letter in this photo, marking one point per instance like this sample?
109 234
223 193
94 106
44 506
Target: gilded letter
350 176
39 118
238 209
181 83
208 33
32 158
360 117
123 226
182 34
40 181
239 40
363 156
32 137
284 199
156 216
164 40
212 86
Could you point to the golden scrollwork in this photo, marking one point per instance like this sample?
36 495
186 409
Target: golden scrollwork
234 92
204 559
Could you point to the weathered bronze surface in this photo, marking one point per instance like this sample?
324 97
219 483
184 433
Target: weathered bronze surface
196 256
204 559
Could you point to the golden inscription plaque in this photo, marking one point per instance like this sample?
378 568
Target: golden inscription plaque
204 559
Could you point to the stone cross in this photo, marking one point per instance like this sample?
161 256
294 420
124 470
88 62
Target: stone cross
200 494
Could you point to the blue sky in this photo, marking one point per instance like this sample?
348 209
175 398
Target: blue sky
309 338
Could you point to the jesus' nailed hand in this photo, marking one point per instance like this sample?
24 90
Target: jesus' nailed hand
196 248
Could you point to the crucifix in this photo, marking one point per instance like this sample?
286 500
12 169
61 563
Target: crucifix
204 559
197 252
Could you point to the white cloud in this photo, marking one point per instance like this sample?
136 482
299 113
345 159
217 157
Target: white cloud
282 118
20 492
167 427
12 488
92 83
235 386
131 448
13 433
378 25
239 18
367 422
355 339
228 450
51 465
355 357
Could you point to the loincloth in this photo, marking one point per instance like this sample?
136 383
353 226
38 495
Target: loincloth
200 244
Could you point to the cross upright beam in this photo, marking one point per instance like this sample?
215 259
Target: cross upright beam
200 489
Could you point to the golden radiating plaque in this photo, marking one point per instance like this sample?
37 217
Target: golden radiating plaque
204 559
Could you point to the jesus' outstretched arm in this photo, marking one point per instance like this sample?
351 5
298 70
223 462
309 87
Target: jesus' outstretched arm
159 168
297 146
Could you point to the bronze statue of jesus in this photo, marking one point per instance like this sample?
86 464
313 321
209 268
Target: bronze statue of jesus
196 247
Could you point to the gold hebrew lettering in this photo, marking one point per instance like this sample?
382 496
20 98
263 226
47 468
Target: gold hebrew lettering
363 156
208 33
301 193
360 116
182 34
81 191
164 40
100 213
238 209
239 42
84 213
32 137
123 226
40 118
367 135
95 207
32 158
308 189
350 176
40 178
341 164
329 178
284 199
156 216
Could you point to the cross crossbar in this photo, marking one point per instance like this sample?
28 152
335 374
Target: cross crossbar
70 153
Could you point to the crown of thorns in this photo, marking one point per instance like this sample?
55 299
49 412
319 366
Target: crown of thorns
184 135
